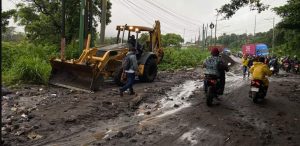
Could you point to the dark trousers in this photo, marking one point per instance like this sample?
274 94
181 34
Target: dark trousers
245 69
129 83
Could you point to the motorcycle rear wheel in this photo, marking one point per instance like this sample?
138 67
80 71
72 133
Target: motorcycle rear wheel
210 96
254 96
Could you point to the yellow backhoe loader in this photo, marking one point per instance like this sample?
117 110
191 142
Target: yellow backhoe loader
94 65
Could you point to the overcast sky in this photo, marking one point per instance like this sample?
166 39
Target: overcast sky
183 17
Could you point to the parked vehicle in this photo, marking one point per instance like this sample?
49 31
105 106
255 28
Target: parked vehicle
255 49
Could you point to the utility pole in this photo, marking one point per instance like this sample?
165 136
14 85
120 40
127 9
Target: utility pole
81 27
203 37
216 29
199 37
273 40
211 26
90 21
63 34
183 35
103 21
206 34
254 26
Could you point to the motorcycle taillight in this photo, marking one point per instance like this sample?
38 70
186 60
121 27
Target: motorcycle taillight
255 83
213 81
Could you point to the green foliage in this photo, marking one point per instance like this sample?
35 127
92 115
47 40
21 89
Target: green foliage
28 69
231 8
144 38
175 58
42 19
171 40
290 14
4 19
26 62
11 36
72 50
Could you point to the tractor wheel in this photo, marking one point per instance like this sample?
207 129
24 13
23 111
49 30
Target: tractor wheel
117 77
150 71
96 83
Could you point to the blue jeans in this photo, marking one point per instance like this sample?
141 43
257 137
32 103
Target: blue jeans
245 69
129 83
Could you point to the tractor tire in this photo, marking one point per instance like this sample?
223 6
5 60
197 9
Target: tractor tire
117 77
150 71
97 83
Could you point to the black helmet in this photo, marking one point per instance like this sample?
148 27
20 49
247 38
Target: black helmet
261 59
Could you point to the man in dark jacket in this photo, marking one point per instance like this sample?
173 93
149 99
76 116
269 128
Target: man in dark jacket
215 67
130 68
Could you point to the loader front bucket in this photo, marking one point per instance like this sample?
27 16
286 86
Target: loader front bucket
74 76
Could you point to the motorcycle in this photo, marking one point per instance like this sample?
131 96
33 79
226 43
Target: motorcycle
274 69
286 67
257 91
212 89
296 68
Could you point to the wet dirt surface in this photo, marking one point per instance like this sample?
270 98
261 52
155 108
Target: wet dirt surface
170 111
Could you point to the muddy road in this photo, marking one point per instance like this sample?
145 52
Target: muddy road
170 111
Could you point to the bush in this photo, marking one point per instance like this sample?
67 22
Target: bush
26 62
28 69
72 51
179 58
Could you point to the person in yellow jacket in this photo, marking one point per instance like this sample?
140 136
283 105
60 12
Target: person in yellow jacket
259 71
245 62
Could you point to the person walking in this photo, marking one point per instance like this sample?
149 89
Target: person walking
130 67
245 62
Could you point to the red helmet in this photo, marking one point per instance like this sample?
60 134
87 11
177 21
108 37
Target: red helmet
214 51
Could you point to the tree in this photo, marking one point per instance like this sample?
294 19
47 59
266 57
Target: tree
11 35
290 14
230 9
4 19
172 39
144 38
42 19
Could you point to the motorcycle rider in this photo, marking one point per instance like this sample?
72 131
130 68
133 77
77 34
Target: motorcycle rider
250 63
274 62
259 71
215 68
288 61
294 62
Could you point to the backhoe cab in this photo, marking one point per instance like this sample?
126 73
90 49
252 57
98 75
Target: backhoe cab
94 65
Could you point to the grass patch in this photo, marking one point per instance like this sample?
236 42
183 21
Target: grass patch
175 58
26 62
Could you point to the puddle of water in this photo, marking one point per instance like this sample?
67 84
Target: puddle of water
191 135
177 96
169 112
233 81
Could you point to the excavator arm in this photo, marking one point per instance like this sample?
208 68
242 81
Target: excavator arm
155 37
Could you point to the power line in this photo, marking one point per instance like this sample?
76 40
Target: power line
149 10
148 14
135 11
178 15
172 13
